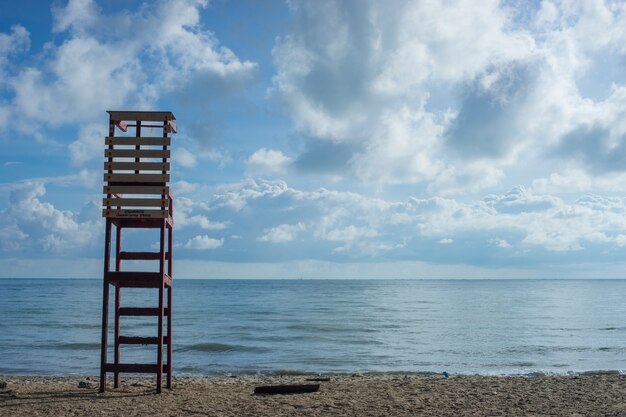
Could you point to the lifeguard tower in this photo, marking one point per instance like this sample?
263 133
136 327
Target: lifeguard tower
137 196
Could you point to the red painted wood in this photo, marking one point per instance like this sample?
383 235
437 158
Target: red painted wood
140 311
140 340
142 256
138 279
161 309
142 368
105 305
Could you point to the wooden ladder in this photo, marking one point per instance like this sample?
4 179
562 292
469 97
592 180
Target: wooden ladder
137 196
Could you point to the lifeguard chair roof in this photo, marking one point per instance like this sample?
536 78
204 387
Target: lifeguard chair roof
148 116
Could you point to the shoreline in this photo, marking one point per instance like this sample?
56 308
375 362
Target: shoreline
390 394
252 373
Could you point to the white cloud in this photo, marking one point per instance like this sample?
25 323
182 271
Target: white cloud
282 233
184 158
89 144
347 234
368 83
204 242
34 225
183 187
11 238
78 15
452 95
501 243
131 58
367 227
268 161
18 40
186 215
577 180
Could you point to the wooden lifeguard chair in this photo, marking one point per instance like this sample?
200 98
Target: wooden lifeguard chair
136 176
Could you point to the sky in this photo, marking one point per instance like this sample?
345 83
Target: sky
325 139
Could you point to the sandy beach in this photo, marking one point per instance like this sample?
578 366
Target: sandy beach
385 394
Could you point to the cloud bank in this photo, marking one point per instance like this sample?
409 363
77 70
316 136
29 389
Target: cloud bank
454 95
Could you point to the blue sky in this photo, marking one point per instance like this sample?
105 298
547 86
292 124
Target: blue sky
325 139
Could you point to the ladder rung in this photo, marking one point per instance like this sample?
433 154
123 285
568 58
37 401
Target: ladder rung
137 279
141 311
134 367
139 340
143 256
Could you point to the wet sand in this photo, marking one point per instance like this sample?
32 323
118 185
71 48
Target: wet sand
379 394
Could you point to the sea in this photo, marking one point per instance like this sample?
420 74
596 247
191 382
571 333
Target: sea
241 327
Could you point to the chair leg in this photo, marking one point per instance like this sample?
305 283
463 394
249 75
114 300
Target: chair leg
169 337
105 306
116 377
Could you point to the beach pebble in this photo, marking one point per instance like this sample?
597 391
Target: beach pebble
83 384
3 384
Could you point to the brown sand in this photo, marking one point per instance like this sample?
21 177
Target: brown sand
344 395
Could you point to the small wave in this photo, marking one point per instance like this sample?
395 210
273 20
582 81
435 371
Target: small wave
217 347
77 346
602 372
71 326
522 364
612 329
544 350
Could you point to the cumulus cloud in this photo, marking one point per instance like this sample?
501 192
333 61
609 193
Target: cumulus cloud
204 242
130 58
361 74
267 161
282 233
190 213
89 144
452 95
349 225
184 158
18 40
501 243
30 224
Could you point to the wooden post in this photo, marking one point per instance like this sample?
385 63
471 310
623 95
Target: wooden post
118 262
169 308
105 305
161 309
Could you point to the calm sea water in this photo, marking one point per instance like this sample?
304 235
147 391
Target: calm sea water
270 326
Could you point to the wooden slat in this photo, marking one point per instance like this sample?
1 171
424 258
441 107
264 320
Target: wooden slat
133 275
147 116
145 223
142 141
135 189
139 284
137 279
136 177
135 214
135 202
137 166
142 256
167 282
137 153
141 311
140 340
137 368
